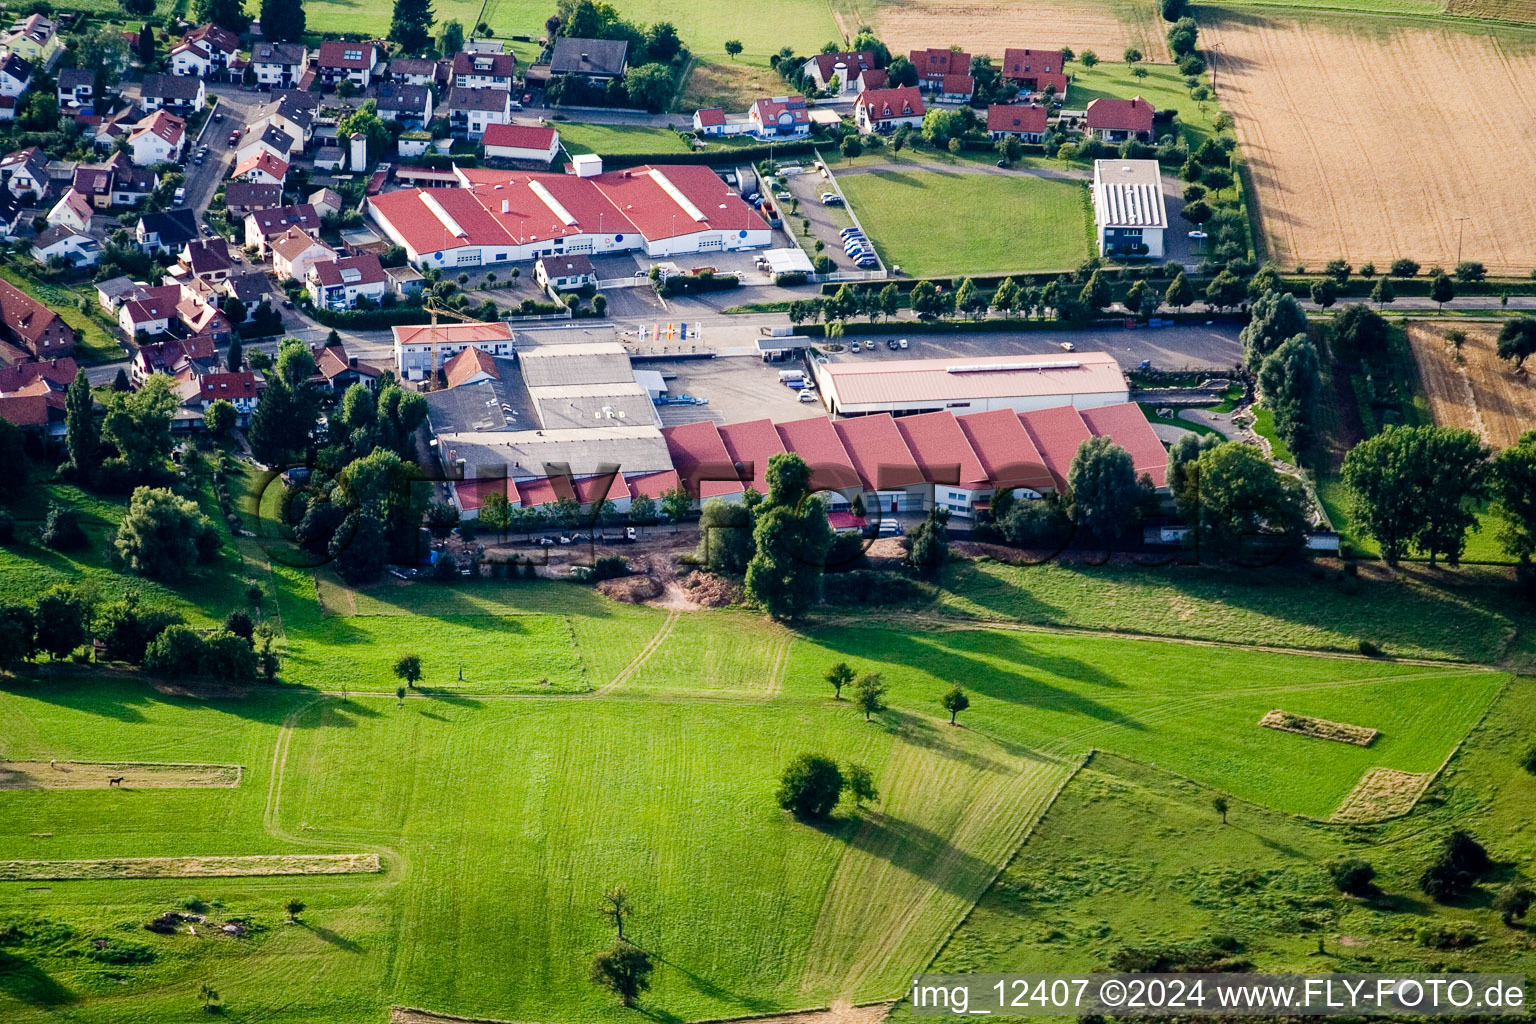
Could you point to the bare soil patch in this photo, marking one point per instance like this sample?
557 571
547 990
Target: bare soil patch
707 590
988 26
1381 793
97 775
1319 728
190 867
1350 159
1498 10
1474 388
838 1013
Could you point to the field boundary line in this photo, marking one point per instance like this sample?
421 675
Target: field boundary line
1013 855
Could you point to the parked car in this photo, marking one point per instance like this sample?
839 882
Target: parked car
831 199
901 342
1067 346
889 528
849 231
782 196
854 347
631 534
545 542
218 115
1199 236
181 195
890 343
866 263
807 397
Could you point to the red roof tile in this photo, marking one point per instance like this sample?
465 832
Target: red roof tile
958 85
936 62
1134 115
750 446
702 463
519 136
1016 117
941 449
468 364
472 493
1127 426
652 485
815 441
1006 452
879 453
1057 433
883 104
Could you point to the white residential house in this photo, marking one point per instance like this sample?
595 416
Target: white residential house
75 248
484 71
189 59
279 65
220 44
179 94
1128 207
472 111
25 172
413 71
347 61
76 88
885 110
159 138
567 273
73 211
531 143
262 168
294 251
408 105
340 283
15 75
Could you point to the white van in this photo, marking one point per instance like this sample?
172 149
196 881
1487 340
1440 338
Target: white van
181 195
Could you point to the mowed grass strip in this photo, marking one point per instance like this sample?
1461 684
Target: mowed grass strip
933 223
189 867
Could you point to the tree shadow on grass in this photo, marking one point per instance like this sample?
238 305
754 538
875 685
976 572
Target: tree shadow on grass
341 942
930 735
706 987
912 848
25 981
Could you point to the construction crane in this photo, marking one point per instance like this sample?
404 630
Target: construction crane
434 309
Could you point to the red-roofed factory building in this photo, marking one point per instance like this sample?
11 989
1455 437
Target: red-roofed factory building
506 217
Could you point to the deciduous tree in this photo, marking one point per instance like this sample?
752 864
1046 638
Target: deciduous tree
810 787
1102 482
839 675
162 535
623 970
955 701
869 694
282 21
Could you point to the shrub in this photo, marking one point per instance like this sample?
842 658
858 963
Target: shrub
1369 649
1465 854
870 587
1459 935
61 529
1353 876
1530 760
609 567
175 652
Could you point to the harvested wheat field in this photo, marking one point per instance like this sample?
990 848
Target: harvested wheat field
1382 793
1354 154
989 26
100 775
1479 390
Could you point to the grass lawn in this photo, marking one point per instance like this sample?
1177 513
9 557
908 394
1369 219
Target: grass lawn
94 341
506 17
1132 856
1149 410
1163 87
933 223
704 28
203 598
619 138
1264 426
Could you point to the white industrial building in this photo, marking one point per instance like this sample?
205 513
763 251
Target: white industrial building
502 217
1083 380
1128 207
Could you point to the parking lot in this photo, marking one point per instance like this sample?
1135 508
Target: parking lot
826 221
1192 346
738 388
